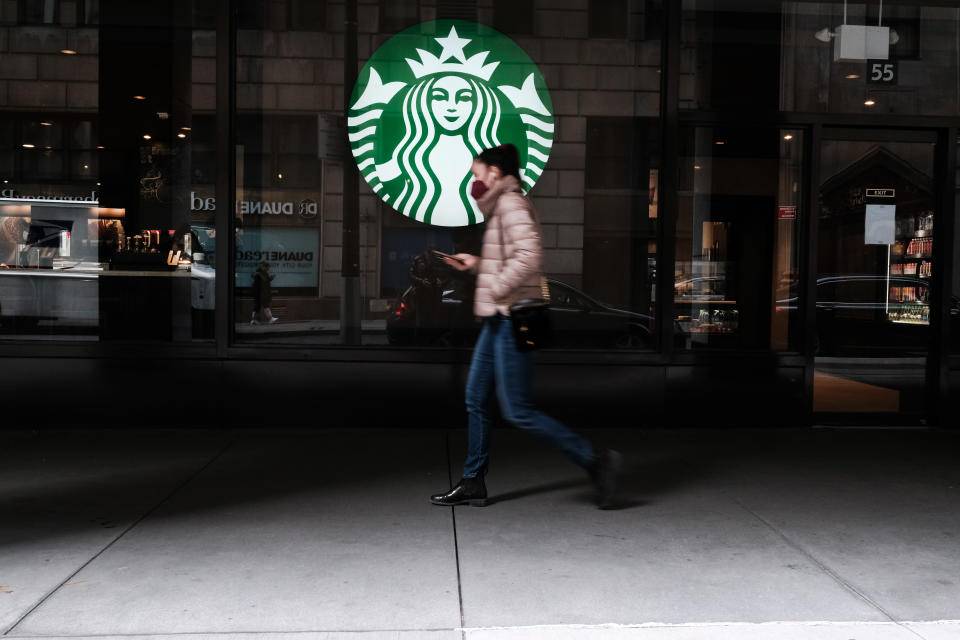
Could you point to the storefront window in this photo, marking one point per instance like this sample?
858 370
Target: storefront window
803 57
736 277
320 262
107 128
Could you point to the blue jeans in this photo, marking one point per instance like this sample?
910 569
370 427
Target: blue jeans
497 365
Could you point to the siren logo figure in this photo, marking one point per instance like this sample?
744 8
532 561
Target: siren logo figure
431 99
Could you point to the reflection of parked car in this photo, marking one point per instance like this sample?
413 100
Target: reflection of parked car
855 315
578 321
700 288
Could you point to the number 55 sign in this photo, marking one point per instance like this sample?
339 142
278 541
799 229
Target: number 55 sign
882 72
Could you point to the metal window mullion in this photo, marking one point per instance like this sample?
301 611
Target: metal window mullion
808 266
226 172
669 176
941 281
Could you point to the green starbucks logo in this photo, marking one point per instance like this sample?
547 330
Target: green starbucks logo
432 98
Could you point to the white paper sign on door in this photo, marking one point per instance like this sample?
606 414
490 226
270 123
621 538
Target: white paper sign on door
879 227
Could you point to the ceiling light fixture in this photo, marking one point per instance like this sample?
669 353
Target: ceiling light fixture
46 123
852 76
870 103
824 35
181 135
139 97
147 136
69 52
788 137
27 145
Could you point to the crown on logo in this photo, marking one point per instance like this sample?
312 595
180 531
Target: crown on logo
452 48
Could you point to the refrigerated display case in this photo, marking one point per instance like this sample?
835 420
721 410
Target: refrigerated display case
703 296
910 263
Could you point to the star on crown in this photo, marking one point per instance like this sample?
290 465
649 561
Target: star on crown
453 46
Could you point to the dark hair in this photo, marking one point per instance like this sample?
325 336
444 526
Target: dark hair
505 157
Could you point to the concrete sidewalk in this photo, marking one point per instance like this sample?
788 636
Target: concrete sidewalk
323 535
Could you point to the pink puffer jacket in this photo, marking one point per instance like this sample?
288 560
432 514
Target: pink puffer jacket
510 271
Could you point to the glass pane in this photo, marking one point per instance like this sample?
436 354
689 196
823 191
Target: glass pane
320 262
736 275
833 57
97 238
874 264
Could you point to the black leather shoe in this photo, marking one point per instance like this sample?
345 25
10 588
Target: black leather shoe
604 476
470 491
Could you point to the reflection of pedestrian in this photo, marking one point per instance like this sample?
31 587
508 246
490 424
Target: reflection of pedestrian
262 295
427 291
178 241
510 268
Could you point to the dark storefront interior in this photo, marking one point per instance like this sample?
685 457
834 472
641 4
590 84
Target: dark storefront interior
738 221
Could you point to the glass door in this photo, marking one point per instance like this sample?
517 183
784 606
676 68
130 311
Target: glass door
875 236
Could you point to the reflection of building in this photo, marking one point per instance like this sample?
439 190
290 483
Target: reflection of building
705 173
844 201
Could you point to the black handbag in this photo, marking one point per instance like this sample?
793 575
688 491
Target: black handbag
530 317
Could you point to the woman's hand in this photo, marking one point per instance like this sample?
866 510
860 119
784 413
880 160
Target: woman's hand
462 261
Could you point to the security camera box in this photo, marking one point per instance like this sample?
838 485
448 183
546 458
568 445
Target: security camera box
850 43
878 43
857 42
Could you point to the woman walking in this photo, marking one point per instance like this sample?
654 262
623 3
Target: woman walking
509 269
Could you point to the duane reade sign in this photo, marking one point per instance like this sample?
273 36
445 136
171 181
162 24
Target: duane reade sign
306 209
433 97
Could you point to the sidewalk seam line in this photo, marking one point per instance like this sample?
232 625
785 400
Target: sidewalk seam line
146 515
599 626
187 634
836 577
456 542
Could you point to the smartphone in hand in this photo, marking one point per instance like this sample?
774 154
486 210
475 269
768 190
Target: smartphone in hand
441 254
